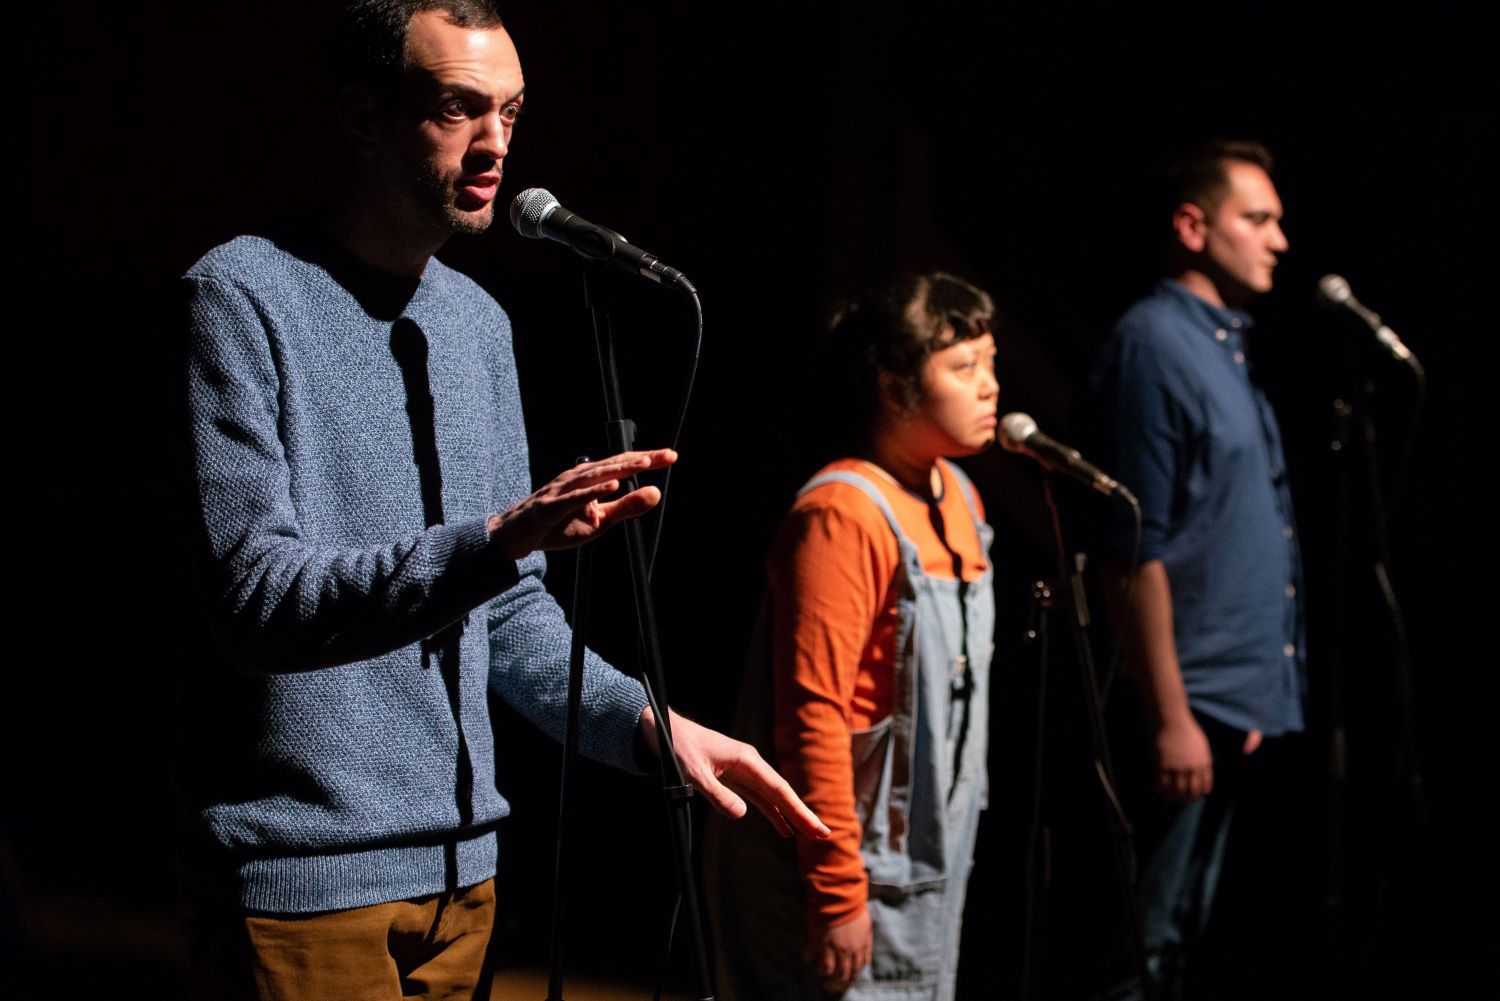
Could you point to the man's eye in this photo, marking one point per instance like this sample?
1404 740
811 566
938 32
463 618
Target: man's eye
454 110
510 113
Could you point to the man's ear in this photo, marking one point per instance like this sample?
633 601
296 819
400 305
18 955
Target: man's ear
1190 224
356 111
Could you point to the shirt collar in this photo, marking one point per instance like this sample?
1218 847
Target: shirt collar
1213 317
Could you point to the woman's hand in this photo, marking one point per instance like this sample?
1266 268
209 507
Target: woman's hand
840 952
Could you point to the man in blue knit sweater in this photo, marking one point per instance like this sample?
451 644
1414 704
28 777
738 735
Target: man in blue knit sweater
370 554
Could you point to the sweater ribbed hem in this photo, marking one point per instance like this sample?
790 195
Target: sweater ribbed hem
312 883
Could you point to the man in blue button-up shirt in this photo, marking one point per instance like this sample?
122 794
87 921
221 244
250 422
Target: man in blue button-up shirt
1217 639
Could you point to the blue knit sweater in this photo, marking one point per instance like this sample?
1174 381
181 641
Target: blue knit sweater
351 435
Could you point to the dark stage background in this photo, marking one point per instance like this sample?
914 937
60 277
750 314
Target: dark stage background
783 155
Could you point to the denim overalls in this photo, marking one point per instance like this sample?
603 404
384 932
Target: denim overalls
919 784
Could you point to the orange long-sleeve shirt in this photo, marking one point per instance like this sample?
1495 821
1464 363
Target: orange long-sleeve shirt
831 568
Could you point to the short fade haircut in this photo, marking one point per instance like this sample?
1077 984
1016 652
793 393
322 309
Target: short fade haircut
369 44
895 328
1200 176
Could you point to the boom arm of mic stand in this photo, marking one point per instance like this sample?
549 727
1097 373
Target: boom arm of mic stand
1124 853
653 676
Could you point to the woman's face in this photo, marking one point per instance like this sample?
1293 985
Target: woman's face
956 414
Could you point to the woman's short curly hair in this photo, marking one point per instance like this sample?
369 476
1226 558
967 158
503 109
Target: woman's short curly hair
894 328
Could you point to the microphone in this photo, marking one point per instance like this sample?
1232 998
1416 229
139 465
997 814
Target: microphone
536 214
1018 433
1334 293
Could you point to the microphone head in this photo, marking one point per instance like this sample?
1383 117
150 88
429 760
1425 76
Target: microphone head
1015 428
529 209
1333 291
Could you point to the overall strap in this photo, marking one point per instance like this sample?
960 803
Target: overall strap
966 487
902 749
854 479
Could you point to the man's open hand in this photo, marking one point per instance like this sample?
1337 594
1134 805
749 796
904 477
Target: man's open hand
724 770
572 509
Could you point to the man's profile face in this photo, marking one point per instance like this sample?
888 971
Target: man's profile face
443 148
1242 237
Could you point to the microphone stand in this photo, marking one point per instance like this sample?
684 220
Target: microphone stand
1037 846
1123 853
1408 767
583 565
1338 758
621 433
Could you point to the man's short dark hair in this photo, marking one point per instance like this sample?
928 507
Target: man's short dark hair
895 328
369 45
1201 175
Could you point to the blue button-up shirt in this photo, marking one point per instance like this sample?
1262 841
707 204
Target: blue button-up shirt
1197 442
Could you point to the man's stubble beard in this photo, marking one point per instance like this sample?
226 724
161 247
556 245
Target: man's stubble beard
424 198
437 198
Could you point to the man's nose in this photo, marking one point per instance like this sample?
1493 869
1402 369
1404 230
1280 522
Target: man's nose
491 137
1278 239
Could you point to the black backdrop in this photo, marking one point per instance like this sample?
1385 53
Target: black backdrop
781 155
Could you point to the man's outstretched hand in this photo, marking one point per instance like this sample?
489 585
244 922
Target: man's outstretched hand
724 770
572 509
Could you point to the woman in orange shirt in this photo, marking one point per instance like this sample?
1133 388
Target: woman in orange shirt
870 681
